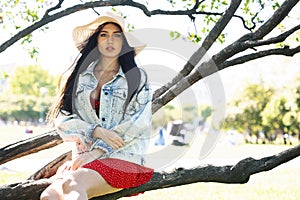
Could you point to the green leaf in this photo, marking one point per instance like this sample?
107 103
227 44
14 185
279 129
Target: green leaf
174 35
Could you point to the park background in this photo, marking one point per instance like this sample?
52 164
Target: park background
279 183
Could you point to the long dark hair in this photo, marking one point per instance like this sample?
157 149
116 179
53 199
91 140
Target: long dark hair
89 54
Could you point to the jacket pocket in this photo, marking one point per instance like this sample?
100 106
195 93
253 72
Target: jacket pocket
80 88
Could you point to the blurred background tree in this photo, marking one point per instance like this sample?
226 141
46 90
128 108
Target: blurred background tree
30 92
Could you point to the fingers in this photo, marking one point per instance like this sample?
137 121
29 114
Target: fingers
67 166
76 164
117 142
120 143
112 139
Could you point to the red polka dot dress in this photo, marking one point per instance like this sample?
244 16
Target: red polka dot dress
120 173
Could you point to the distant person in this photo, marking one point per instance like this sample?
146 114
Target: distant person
105 108
178 133
161 139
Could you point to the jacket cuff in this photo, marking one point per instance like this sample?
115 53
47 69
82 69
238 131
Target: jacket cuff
100 144
89 133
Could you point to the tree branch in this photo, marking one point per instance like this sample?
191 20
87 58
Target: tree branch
210 67
282 37
239 173
167 12
50 169
240 45
198 55
57 6
286 51
165 94
50 18
29 146
276 18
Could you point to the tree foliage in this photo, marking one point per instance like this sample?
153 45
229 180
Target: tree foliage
262 108
19 108
31 91
26 108
250 105
33 80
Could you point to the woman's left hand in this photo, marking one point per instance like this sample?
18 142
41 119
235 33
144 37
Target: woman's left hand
86 157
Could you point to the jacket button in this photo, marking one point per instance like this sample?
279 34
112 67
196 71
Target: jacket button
103 119
106 93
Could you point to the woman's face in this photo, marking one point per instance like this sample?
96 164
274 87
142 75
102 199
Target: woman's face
110 41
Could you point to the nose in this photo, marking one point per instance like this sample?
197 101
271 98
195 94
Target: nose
110 39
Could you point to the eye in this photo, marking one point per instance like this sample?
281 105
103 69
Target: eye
102 35
117 35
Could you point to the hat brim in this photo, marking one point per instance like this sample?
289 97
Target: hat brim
81 34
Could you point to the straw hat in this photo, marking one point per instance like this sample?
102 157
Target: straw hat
82 33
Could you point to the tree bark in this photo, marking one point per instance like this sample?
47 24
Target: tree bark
238 173
50 169
29 146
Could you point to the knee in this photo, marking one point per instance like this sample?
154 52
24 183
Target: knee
69 185
49 195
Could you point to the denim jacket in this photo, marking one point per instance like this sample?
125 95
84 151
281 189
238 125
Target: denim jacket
134 126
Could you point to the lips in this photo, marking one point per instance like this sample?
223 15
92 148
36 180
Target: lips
110 48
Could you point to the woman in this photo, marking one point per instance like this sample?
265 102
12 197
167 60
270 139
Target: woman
105 108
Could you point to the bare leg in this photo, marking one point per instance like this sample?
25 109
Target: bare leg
84 184
53 191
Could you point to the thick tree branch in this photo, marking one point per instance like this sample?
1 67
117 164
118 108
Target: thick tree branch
29 190
282 37
286 51
275 19
239 173
29 146
240 45
50 169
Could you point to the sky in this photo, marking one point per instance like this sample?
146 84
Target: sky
57 50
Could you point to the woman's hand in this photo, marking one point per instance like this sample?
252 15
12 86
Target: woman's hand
79 161
85 158
64 168
109 137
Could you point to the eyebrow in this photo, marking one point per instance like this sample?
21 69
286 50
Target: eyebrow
113 32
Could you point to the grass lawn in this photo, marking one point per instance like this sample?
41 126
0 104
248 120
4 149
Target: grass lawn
280 183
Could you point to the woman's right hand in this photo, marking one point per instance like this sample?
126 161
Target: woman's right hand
64 168
109 137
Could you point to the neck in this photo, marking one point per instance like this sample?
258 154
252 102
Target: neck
108 65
